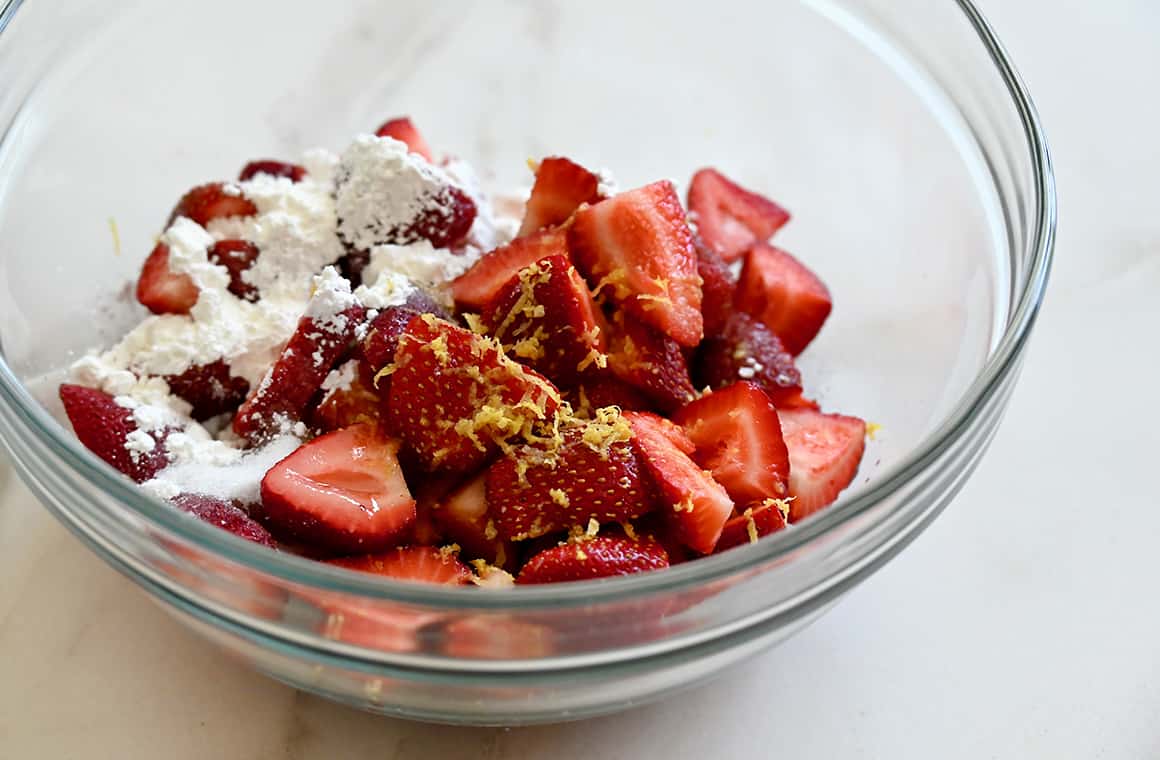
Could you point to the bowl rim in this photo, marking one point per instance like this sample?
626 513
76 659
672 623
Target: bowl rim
309 574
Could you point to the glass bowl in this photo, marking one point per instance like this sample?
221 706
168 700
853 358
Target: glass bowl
896 130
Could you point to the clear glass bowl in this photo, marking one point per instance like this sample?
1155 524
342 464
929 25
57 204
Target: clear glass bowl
896 130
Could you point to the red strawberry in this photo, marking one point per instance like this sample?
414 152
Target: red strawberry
465 518
605 389
210 388
745 349
297 374
698 506
651 362
356 402
594 474
104 427
382 338
639 244
226 515
717 286
343 492
403 130
292 172
455 396
445 222
781 292
422 564
480 284
756 520
237 256
561 187
545 317
729 217
600 557
738 439
205 203
824 453
161 290
491 636
441 213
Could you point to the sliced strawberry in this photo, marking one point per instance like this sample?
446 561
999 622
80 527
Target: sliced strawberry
698 506
605 389
480 284
729 217
600 557
205 203
651 362
445 222
465 518
455 396
738 439
781 292
421 564
717 286
824 453
594 474
343 492
639 245
491 636
352 402
105 428
403 130
382 339
237 256
226 515
561 187
745 349
545 317
161 290
210 388
292 172
757 520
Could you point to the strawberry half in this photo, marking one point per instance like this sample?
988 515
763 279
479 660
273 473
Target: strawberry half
729 217
455 396
717 286
824 453
421 564
210 388
162 291
651 362
205 203
698 506
545 317
479 285
781 292
403 130
593 474
355 402
561 187
382 339
225 515
237 256
757 520
605 389
738 439
105 427
292 172
746 350
343 492
639 245
600 557
465 518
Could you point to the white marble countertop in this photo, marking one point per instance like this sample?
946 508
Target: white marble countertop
1023 624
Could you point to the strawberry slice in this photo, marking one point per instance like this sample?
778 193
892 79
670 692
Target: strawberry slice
593 474
479 285
781 292
639 244
382 339
226 515
699 506
403 130
561 188
162 291
464 517
824 453
237 256
292 172
545 317
343 492
745 349
600 557
455 396
351 399
216 200
738 439
108 430
605 389
420 564
757 520
651 362
729 217
210 388
717 286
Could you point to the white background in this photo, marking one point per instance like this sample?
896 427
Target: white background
1024 623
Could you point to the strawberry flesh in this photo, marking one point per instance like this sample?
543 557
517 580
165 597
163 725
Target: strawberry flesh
420 564
355 403
824 453
757 520
784 294
161 290
210 388
729 217
237 256
479 285
605 389
403 130
292 172
226 515
205 203
600 557
717 286
104 427
651 362
464 516
747 350
561 187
